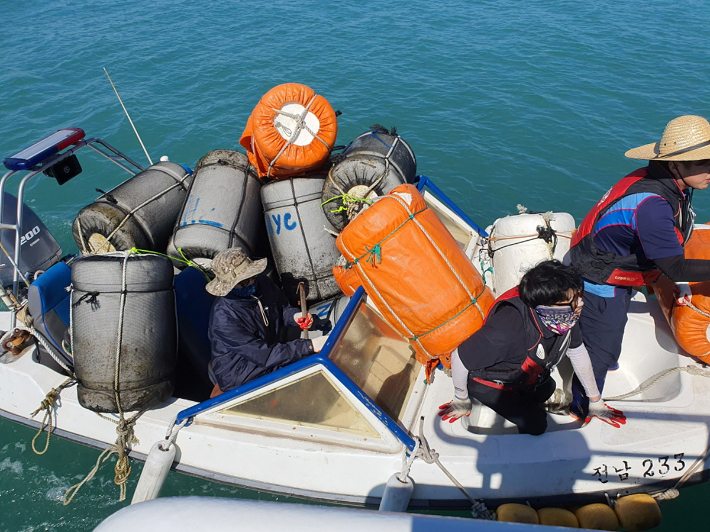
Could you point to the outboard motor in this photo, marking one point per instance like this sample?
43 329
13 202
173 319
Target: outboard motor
39 248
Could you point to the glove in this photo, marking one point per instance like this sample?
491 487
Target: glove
319 342
303 322
455 409
605 413
683 294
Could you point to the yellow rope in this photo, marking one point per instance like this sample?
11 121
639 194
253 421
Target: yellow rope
122 470
48 404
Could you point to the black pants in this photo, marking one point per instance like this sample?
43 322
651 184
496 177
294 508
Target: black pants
522 407
602 322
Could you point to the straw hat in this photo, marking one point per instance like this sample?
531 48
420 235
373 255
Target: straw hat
686 138
231 267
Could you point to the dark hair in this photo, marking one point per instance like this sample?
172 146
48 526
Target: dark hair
548 282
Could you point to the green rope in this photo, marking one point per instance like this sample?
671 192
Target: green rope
184 259
376 250
473 302
375 255
484 271
347 198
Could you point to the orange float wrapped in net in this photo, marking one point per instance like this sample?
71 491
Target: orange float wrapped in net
290 132
689 318
348 280
416 274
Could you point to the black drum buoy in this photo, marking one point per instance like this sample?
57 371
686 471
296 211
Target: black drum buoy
372 165
123 318
140 212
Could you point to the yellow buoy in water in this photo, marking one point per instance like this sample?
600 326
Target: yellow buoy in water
517 513
597 517
557 517
638 512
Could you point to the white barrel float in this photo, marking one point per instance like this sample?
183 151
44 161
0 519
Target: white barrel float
302 247
140 212
519 242
222 210
371 165
140 325
330 309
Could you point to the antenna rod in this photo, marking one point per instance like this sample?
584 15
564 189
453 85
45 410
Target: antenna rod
128 116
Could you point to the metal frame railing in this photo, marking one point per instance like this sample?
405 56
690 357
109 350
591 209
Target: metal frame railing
96 144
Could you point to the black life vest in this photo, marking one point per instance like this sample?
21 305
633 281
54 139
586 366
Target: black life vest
538 363
606 267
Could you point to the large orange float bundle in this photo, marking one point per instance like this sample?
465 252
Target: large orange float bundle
290 132
689 319
415 273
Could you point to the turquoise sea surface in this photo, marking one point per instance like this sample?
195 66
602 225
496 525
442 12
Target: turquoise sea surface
502 101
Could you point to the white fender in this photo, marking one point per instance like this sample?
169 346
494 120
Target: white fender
397 494
155 471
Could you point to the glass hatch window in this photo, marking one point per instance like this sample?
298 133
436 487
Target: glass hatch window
461 233
312 400
378 360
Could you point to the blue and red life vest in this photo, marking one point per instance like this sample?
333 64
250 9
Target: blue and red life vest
606 267
538 362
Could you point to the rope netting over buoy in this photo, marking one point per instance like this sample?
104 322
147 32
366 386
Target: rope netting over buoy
125 426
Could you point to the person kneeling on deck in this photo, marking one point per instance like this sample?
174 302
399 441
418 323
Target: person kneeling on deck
249 321
506 364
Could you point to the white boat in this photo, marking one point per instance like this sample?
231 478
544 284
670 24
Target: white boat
334 427
186 514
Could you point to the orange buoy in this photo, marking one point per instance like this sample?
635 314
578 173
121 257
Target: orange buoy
638 512
690 323
557 517
347 280
517 513
597 517
416 274
290 132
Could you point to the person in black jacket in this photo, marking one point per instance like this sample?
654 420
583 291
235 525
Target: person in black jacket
506 364
249 321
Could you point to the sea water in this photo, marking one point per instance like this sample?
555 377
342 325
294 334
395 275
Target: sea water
503 102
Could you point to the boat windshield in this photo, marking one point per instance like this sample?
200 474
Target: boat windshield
311 400
461 233
378 360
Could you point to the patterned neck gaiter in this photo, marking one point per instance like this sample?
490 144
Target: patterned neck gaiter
558 319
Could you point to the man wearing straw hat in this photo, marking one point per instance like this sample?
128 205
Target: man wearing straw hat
249 321
634 233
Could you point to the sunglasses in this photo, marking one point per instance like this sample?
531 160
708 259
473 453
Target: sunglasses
576 301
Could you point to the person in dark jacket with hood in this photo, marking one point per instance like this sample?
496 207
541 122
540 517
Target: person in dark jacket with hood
249 321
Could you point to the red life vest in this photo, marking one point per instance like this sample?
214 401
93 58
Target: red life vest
606 267
538 363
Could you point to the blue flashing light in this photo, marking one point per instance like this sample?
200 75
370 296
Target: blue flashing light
44 149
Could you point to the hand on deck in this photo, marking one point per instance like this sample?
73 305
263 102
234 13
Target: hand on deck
605 413
455 409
